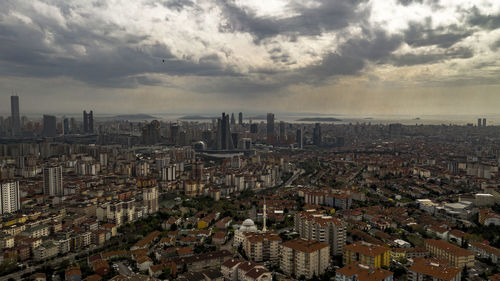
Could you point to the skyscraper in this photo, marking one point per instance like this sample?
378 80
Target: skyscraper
224 139
65 126
240 118
10 201
270 128
52 181
88 122
151 133
479 122
49 126
317 137
282 128
299 137
15 119
233 121
484 122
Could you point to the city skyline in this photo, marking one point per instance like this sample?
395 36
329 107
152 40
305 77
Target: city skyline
371 57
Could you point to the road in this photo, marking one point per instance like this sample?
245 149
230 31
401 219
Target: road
293 178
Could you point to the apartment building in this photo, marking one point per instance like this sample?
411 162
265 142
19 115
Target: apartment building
454 255
304 257
360 272
313 225
433 269
484 250
262 246
372 255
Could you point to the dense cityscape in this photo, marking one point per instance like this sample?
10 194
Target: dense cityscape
229 198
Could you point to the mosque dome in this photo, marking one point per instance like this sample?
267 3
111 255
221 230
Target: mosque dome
248 226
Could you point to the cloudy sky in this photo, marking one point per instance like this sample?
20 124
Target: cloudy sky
326 56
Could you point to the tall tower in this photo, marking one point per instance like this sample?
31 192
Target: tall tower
49 126
282 128
16 120
479 122
270 128
264 217
10 198
88 122
233 121
224 133
240 118
317 134
52 181
484 122
299 137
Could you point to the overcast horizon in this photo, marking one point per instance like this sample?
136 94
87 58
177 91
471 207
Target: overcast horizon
350 57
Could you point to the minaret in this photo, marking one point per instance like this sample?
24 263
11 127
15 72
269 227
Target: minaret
264 216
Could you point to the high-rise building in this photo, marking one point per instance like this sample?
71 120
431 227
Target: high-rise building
479 122
15 119
49 126
53 181
174 133
150 197
151 133
65 126
270 128
240 118
261 247
300 138
317 137
254 128
319 227
88 122
233 121
282 128
10 201
484 122
304 257
224 138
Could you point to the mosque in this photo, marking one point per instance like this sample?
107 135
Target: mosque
248 226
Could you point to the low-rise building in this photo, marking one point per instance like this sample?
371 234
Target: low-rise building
433 269
454 255
374 256
360 272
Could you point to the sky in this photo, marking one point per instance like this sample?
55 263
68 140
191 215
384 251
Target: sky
326 56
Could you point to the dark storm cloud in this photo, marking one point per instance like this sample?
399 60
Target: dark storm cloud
490 22
409 2
178 4
327 16
432 57
353 55
422 34
432 3
108 60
